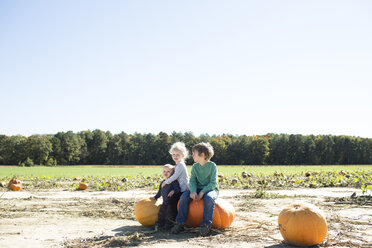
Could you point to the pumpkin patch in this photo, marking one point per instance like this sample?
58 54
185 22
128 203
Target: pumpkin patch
255 199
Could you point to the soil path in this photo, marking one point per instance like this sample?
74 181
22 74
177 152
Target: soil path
58 218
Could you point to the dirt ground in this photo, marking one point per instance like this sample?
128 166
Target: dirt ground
58 218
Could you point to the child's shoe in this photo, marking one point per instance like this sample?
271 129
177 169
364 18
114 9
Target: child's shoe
177 228
156 227
205 230
166 227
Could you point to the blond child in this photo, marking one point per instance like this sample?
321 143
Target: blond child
179 153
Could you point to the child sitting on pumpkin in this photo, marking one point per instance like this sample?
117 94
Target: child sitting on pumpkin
179 154
203 185
168 210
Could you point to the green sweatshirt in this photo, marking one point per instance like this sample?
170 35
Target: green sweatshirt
203 177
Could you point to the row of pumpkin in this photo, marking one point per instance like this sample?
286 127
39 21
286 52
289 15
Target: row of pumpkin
15 184
300 224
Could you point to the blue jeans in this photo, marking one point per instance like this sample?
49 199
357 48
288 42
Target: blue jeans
209 199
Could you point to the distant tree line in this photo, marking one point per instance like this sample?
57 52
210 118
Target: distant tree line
98 148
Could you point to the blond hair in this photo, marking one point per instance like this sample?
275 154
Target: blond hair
170 167
179 147
205 148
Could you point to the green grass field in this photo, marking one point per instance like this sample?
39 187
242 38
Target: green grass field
83 171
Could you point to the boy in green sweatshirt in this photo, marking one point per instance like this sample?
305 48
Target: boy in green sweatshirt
203 185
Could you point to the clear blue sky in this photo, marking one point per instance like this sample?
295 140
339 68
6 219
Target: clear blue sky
238 67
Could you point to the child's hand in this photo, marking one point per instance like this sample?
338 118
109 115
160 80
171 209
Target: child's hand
152 198
171 193
200 196
163 184
193 196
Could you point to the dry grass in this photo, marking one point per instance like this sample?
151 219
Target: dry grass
97 208
247 230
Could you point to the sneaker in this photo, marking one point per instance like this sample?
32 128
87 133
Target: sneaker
177 228
205 230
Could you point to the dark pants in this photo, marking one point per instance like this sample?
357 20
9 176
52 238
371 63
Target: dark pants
168 211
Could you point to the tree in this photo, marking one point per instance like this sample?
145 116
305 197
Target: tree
126 148
190 140
139 156
100 147
296 149
220 149
114 150
97 146
14 149
3 152
324 149
67 148
309 150
163 144
85 137
38 148
278 149
237 151
259 151
150 150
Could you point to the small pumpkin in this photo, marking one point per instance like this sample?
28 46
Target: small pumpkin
234 181
223 215
83 186
16 187
220 177
146 211
14 181
302 224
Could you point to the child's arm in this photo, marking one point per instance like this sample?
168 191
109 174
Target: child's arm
177 173
159 193
212 185
192 184
175 188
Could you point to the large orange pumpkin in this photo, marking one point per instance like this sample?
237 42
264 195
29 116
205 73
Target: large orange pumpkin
223 215
302 224
146 211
